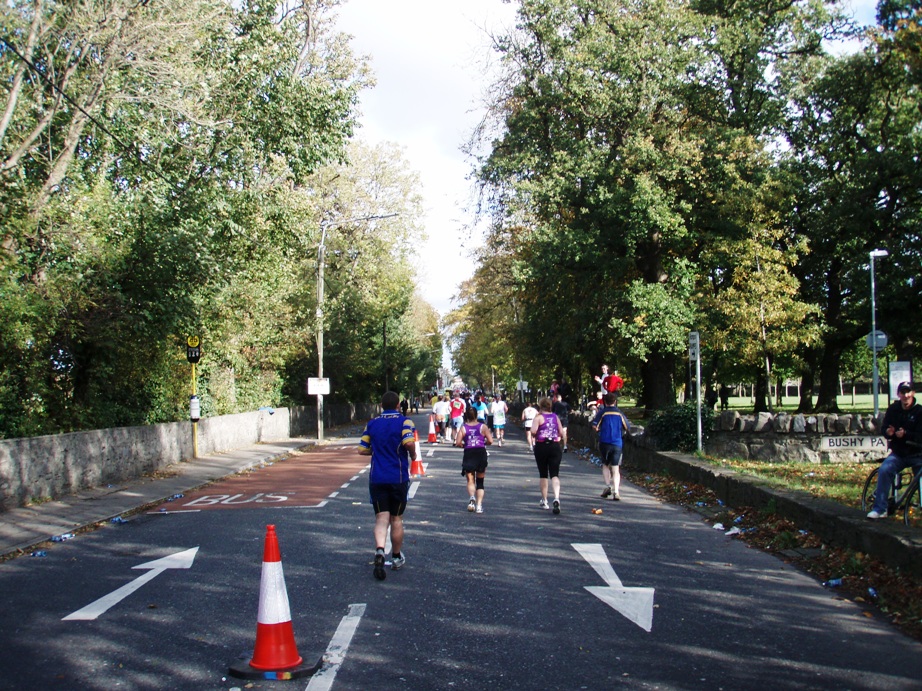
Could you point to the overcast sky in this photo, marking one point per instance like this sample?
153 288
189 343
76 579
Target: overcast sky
428 57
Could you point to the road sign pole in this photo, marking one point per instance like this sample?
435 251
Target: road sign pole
874 375
194 422
193 354
698 387
694 354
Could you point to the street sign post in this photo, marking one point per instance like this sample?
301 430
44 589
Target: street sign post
317 386
693 346
193 355
876 340
193 349
694 355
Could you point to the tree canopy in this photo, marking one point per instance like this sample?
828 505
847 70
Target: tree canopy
167 170
657 167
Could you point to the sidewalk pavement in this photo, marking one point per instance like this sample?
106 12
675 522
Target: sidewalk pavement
23 528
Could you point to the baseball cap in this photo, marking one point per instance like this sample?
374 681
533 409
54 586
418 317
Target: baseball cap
904 387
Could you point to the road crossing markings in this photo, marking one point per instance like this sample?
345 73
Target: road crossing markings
179 560
636 604
335 654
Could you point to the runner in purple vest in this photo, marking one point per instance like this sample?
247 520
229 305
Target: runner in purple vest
548 451
474 437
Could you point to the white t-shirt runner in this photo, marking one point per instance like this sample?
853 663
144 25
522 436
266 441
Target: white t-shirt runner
498 409
528 416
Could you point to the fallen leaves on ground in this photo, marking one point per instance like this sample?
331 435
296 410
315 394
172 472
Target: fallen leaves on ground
879 588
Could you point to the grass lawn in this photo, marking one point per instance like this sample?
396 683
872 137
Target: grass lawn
860 403
841 482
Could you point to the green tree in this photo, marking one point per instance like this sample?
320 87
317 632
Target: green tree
854 154
147 153
633 139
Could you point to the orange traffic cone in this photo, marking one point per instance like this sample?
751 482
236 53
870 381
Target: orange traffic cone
275 655
432 438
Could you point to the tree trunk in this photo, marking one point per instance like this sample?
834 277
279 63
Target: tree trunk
807 381
658 385
760 392
827 399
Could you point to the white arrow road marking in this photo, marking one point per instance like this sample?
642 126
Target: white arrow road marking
336 651
636 604
179 560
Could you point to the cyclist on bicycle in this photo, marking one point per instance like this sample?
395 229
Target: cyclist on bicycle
903 429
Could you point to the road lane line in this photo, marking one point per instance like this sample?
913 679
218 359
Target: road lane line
335 655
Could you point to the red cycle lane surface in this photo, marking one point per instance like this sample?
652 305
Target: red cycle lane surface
301 480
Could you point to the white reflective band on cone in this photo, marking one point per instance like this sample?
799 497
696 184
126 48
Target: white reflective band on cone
273 598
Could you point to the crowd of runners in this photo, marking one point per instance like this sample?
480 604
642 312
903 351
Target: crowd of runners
474 421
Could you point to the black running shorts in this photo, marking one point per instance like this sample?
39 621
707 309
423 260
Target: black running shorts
391 498
474 461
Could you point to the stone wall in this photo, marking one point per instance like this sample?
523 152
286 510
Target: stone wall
784 437
774 438
52 466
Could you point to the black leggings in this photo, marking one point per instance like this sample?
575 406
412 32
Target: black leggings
547 456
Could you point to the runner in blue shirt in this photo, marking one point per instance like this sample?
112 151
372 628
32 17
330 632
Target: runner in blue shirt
481 408
611 424
390 441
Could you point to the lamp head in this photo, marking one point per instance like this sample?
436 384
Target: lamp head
879 253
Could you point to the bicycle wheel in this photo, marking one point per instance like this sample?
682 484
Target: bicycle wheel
903 485
912 504
867 494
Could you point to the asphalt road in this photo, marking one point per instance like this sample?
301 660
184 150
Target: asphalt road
497 600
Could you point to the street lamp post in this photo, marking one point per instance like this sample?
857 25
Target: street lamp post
874 374
321 255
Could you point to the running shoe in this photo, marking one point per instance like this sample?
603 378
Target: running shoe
874 515
543 504
479 508
606 492
565 449
397 562
471 505
380 573
556 506
616 497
